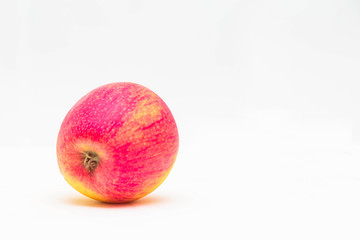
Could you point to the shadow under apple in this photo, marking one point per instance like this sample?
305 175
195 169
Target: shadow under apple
84 201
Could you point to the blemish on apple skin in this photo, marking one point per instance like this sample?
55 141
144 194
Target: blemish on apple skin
128 140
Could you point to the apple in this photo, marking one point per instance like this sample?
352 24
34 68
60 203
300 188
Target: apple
118 143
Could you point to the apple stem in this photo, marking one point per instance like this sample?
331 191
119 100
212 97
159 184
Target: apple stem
91 160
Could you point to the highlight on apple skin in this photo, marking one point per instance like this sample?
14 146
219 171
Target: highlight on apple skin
118 143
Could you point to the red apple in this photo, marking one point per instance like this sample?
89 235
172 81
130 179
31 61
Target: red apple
118 143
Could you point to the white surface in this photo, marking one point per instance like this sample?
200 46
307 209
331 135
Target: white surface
263 93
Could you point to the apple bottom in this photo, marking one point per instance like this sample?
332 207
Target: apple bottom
120 197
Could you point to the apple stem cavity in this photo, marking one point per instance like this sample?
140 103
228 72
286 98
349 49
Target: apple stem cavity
91 160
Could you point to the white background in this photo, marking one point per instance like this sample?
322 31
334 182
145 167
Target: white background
263 93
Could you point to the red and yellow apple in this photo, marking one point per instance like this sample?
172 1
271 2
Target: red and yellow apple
118 143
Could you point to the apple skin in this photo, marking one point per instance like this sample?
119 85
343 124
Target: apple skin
133 134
